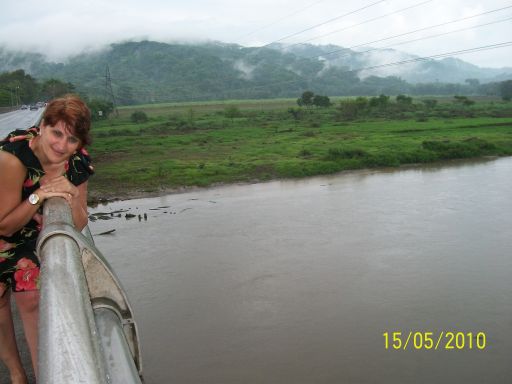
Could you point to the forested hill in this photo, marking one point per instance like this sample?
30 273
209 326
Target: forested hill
149 71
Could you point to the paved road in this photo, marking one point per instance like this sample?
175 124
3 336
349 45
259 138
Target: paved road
20 119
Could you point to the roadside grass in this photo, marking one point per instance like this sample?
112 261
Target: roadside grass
179 146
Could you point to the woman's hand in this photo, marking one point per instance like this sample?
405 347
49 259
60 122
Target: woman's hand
58 186
76 196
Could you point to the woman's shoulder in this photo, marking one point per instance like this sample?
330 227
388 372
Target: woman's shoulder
12 170
9 161
20 135
17 144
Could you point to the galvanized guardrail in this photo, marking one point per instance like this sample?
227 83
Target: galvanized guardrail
87 333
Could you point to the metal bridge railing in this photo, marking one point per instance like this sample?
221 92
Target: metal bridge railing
86 329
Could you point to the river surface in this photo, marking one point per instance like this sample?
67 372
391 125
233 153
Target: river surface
295 282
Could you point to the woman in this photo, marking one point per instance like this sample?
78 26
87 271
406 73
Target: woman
36 164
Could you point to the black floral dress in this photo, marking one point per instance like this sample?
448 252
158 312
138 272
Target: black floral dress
19 266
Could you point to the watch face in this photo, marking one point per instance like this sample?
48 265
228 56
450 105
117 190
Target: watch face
33 199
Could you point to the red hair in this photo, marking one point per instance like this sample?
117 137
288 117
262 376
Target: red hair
71 110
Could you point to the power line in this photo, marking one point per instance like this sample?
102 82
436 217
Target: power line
414 40
368 21
406 33
283 18
326 22
437 56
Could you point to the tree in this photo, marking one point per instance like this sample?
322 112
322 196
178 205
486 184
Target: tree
352 109
463 100
430 103
404 100
100 109
381 101
321 101
125 95
473 83
5 97
17 88
306 99
139 117
54 88
348 110
506 90
362 102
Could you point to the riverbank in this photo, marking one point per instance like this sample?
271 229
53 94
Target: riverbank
177 151
97 198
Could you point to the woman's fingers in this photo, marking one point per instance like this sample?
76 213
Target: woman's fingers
47 194
64 195
60 184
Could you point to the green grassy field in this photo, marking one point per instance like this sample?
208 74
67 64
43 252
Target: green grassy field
200 144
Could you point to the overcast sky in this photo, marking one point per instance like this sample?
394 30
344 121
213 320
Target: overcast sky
60 28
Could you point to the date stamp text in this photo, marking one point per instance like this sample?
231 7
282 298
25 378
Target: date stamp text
448 340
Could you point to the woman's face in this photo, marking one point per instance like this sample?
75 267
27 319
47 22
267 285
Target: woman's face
58 142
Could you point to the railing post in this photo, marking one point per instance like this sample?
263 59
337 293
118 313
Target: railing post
69 347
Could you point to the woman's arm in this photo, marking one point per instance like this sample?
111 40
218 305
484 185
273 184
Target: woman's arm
13 213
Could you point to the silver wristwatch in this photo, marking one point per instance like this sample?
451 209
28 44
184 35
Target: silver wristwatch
33 199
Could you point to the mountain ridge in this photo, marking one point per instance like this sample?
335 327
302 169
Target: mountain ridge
150 71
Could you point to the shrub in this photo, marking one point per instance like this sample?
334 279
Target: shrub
305 153
382 160
471 147
121 132
429 103
402 99
296 113
421 117
339 153
232 111
139 117
463 100
160 129
100 109
349 110
382 101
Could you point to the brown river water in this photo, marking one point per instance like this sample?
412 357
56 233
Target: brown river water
297 281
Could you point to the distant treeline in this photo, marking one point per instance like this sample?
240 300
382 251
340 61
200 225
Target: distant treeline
18 88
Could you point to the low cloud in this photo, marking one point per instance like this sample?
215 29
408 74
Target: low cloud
61 30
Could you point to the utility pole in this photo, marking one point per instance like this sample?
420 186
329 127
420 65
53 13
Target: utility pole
109 91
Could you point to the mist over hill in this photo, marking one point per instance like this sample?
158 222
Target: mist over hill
148 71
